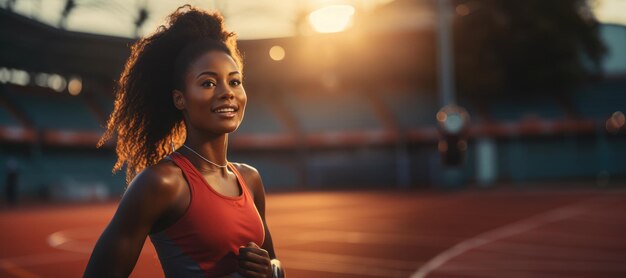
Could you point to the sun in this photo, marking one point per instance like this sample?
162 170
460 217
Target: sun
332 18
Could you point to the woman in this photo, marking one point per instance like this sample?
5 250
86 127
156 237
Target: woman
205 216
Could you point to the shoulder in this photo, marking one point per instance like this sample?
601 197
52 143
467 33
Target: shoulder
247 171
252 178
155 191
161 182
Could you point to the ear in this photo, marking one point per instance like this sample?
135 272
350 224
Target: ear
179 99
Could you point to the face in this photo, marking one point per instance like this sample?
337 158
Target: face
213 99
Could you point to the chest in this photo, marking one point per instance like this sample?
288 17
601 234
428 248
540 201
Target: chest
226 186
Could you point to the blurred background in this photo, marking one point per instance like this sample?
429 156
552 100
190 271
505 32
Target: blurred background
415 98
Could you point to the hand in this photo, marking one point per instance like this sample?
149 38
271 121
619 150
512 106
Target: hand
254 262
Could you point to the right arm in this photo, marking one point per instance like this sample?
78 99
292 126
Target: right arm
148 197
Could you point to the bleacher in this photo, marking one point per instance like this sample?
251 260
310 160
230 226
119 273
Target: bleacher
260 119
87 167
314 114
6 119
48 109
279 169
412 109
599 101
103 101
516 109
331 111
26 166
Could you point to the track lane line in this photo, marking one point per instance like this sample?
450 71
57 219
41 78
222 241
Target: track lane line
505 231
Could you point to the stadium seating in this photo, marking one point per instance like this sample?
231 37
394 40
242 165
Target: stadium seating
279 169
27 181
51 110
331 111
259 119
412 109
507 109
599 101
61 166
6 119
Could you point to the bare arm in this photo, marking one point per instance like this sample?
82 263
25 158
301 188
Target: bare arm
149 195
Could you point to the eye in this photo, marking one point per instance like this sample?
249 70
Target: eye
208 84
235 82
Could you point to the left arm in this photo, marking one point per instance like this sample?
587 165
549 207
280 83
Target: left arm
258 261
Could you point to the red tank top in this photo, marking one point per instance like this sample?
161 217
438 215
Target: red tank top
205 241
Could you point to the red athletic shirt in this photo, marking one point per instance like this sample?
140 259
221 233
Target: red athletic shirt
205 241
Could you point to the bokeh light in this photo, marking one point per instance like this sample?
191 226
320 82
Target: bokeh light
41 79
5 75
57 82
20 77
75 86
462 10
277 53
616 122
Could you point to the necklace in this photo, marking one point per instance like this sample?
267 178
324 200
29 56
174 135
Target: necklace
209 161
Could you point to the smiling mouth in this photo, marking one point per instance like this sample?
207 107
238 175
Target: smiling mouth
225 110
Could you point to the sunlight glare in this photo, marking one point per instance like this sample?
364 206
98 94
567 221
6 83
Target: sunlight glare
331 19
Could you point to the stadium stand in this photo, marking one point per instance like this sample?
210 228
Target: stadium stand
599 101
516 109
278 167
48 109
260 119
331 111
309 136
81 167
22 156
6 119
412 109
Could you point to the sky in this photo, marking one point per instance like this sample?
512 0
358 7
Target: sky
249 19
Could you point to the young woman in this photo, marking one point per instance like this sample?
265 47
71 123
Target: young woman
182 86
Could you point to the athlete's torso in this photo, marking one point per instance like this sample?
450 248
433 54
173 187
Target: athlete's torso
204 241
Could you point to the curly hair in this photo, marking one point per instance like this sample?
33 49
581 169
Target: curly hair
144 118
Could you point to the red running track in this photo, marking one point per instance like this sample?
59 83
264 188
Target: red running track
371 234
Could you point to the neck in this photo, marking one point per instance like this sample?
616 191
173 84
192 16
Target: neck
213 148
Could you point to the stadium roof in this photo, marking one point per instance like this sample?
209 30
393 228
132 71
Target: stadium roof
250 19
30 45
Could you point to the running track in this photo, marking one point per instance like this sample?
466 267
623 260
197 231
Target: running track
372 234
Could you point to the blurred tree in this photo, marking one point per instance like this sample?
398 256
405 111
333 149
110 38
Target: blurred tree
525 47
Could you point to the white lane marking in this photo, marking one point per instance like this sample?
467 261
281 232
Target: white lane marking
514 228
535 266
551 252
79 240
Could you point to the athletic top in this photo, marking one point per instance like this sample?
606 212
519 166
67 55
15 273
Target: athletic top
205 241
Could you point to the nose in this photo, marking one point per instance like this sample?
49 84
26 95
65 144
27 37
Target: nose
227 93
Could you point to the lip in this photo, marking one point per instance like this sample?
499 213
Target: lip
226 115
228 105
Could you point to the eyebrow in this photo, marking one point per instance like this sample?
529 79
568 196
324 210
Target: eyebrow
215 74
